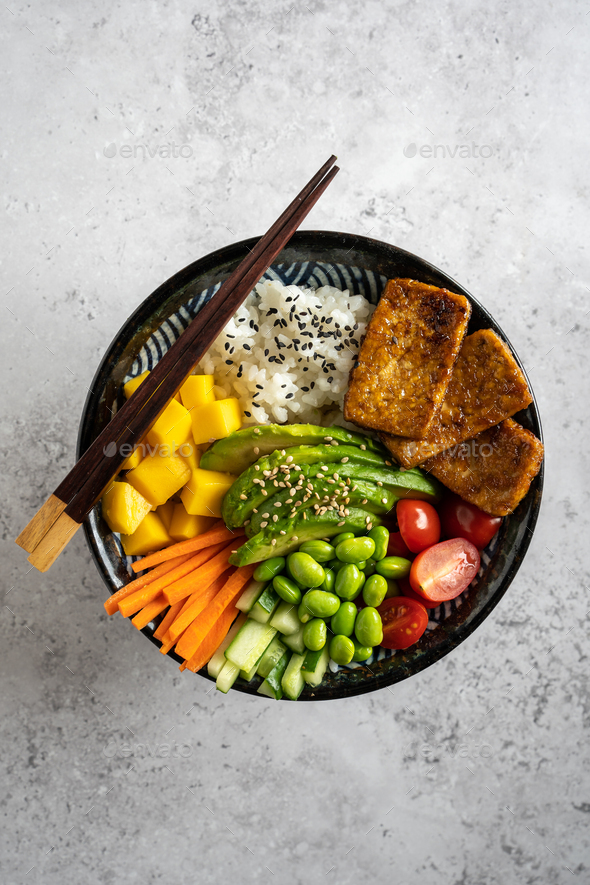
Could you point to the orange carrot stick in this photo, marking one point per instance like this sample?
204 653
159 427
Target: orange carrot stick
137 600
226 598
200 599
213 639
168 618
214 535
149 612
165 648
203 576
112 603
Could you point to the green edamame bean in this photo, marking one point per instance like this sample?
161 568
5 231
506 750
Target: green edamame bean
321 551
369 568
349 581
315 634
343 536
329 579
305 570
287 590
355 549
335 565
361 652
267 570
368 627
392 589
341 649
320 604
303 613
374 590
342 622
394 567
380 536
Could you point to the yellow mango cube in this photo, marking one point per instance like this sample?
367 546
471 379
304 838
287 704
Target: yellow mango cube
172 428
133 383
216 420
159 476
197 391
124 508
165 512
191 455
149 536
186 525
134 458
204 493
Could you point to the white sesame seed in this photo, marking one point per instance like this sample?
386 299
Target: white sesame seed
257 430
243 497
257 467
275 518
264 492
364 501
384 500
263 525
273 542
363 448
344 460
278 504
256 450
341 523
282 532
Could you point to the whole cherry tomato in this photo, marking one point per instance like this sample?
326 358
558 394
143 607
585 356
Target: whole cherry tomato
419 524
463 520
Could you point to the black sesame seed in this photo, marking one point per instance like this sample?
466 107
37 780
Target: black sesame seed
289 396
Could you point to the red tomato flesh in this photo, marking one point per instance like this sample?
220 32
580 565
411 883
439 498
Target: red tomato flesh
398 547
463 520
419 524
404 621
405 589
444 571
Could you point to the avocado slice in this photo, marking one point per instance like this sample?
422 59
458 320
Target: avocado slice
236 452
248 491
243 498
367 495
303 527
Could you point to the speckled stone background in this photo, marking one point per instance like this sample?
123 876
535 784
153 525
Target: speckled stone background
117 769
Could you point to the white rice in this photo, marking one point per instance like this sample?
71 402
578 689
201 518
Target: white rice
287 352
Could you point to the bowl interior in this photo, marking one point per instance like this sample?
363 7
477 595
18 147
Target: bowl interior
312 258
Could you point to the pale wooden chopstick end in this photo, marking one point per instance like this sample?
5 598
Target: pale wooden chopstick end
37 528
52 544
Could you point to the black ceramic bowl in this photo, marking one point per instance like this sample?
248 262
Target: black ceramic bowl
309 256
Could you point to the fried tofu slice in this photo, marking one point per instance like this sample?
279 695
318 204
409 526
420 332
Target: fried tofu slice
404 364
493 470
486 387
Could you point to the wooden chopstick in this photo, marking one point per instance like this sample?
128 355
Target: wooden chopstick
50 530
32 534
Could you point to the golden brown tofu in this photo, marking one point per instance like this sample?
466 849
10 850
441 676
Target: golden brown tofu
493 470
405 362
486 386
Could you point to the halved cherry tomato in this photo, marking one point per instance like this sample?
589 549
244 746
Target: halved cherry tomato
443 571
404 621
398 547
405 589
418 523
463 520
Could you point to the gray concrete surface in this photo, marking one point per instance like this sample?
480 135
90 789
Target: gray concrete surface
473 772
